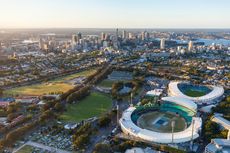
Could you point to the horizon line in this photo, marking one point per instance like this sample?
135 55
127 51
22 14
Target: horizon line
214 28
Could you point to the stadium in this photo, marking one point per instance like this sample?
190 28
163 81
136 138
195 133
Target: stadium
198 93
153 123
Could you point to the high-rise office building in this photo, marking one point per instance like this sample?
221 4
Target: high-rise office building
130 35
41 43
117 34
74 39
190 46
107 37
79 36
124 34
117 39
147 35
162 45
143 35
103 35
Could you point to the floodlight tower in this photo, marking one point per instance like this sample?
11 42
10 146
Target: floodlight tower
191 146
173 126
117 114
131 99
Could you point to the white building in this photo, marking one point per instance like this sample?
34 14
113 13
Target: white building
218 146
190 46
218 118
212 97
162 45
190 133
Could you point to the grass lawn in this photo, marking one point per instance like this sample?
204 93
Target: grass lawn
93 105
39 89
146 121
106 83
194 93
75 75
56 85
26 149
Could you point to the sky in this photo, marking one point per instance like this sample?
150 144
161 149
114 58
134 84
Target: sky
114 13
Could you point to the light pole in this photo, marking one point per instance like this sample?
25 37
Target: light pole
173 125
193 122
117 114
131 99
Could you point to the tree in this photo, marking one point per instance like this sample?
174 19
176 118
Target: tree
1 91
125 145
104 121
81 141
102 148
144 101
58 106
82 136
16 134
228 99
11 116
32 107
211 130
46 115
13 107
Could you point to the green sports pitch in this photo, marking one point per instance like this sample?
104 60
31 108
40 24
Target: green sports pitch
93 105
58 85
161 122
194 93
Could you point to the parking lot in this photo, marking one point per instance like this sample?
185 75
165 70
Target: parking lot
53 137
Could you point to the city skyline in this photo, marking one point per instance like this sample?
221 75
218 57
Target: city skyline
111 14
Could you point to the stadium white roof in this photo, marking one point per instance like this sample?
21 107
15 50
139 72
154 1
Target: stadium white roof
130 128
217 92
217 118
216 144
182 102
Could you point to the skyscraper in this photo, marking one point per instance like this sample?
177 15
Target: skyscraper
190 46
41 44
74 41
102 36
124 34
162 45
143 35
130 35
116 43
147 36
117 34
79 36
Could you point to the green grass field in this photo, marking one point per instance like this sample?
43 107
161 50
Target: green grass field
39 89
93 105
75 75
146 121
57 85
106 83
194 93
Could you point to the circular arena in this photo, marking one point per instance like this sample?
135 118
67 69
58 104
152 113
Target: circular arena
199 93
153 123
